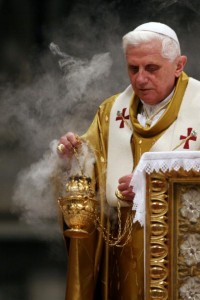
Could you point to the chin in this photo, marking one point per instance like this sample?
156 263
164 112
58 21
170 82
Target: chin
149 101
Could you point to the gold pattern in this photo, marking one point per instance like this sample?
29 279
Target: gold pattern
78 207
119 195
81 213
170 262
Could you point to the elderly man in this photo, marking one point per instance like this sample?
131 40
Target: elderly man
152 113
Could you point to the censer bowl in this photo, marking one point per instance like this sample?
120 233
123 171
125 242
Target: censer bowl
79 207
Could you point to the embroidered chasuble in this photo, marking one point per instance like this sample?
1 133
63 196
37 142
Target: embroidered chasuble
95 270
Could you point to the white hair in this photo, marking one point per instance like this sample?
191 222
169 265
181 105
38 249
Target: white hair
170 48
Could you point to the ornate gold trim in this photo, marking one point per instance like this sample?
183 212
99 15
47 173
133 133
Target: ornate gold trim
172 235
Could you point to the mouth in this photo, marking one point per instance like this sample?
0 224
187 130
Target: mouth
144 90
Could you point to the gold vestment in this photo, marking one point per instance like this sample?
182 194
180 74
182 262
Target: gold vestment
95 270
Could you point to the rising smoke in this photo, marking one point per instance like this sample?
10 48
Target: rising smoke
62 98
35 195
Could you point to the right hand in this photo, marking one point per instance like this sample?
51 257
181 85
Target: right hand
125 189
69 142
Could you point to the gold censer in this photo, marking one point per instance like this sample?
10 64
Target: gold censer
81 210
79 207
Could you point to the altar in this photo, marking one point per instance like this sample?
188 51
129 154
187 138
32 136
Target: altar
167 204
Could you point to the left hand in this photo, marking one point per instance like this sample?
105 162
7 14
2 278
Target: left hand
124 187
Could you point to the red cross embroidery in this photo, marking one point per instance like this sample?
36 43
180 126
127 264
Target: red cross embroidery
191 136
121 116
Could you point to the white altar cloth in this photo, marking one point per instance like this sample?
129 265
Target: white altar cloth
158 161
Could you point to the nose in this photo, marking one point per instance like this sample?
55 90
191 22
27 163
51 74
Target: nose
141 77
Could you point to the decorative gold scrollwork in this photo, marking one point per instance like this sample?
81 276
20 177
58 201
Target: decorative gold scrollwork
172 235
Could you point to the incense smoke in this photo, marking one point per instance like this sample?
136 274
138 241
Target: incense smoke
35 193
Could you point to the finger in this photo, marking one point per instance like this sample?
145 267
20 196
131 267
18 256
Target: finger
62 149
128 195
64 146
74 140
126 178
68 144
124 186
71 138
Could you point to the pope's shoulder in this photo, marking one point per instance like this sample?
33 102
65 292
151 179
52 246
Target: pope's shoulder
108 102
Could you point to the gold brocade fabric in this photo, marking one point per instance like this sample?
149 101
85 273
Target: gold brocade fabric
95 270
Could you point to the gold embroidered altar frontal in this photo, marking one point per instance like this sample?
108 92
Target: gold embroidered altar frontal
172 235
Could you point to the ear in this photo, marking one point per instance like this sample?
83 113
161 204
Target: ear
180 64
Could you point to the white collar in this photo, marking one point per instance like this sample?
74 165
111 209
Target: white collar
151 108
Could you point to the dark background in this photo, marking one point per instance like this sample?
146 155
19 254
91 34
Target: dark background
39 102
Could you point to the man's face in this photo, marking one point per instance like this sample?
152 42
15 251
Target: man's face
152 76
